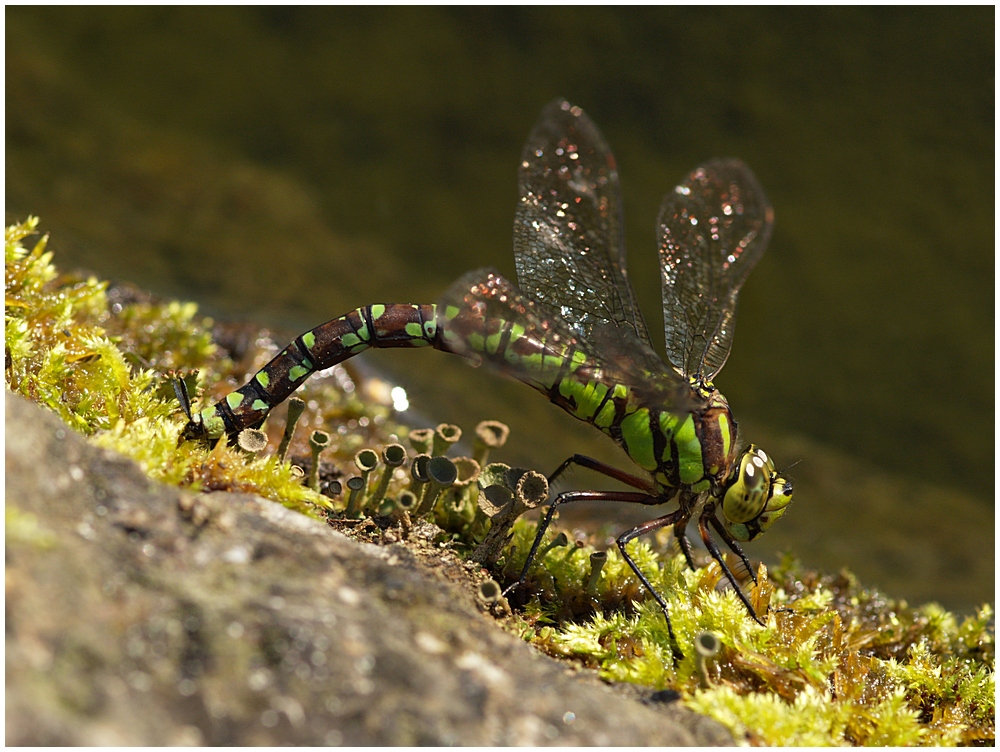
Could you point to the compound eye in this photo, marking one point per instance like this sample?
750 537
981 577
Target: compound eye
745 499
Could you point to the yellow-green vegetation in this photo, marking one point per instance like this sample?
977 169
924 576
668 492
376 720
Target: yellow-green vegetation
104 372
833 663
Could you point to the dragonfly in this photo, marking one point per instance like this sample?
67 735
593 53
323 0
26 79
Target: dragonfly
572 329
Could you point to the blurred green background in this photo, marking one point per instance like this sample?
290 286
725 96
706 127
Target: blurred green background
288 164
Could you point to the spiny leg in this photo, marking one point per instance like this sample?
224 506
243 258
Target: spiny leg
686 502
733 545
629 497
646 527
604 469
680 532
713 549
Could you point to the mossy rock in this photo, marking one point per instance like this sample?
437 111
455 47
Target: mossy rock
833 662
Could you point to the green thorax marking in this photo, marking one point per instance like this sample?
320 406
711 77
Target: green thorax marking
637 438
689 460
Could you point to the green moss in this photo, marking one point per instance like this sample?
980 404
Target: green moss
163 335
102 371
834 663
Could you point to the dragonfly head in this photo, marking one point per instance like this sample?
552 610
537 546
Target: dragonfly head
756 497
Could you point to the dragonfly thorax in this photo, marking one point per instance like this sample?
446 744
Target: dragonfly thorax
695 450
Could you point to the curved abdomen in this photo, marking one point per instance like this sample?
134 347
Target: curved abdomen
390 325
678 449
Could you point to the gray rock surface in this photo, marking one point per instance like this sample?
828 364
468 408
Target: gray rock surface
142 614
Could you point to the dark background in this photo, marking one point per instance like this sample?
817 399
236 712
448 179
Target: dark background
287 165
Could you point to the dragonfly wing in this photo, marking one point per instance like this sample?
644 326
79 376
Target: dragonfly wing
485 317
569 243
635 364
713 228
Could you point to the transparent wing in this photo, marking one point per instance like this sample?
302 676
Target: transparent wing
485 317
714 227
569 244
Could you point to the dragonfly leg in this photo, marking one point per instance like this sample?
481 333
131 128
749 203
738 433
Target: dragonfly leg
628 497
733 545
680 533
680 526
646 527
706 515
604 469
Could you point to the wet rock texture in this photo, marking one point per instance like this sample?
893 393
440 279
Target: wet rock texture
141 614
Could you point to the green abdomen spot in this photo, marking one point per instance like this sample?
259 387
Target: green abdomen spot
638 438
689 459
214 425
587 397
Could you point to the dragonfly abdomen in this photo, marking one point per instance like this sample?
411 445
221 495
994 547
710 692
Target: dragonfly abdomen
389 325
